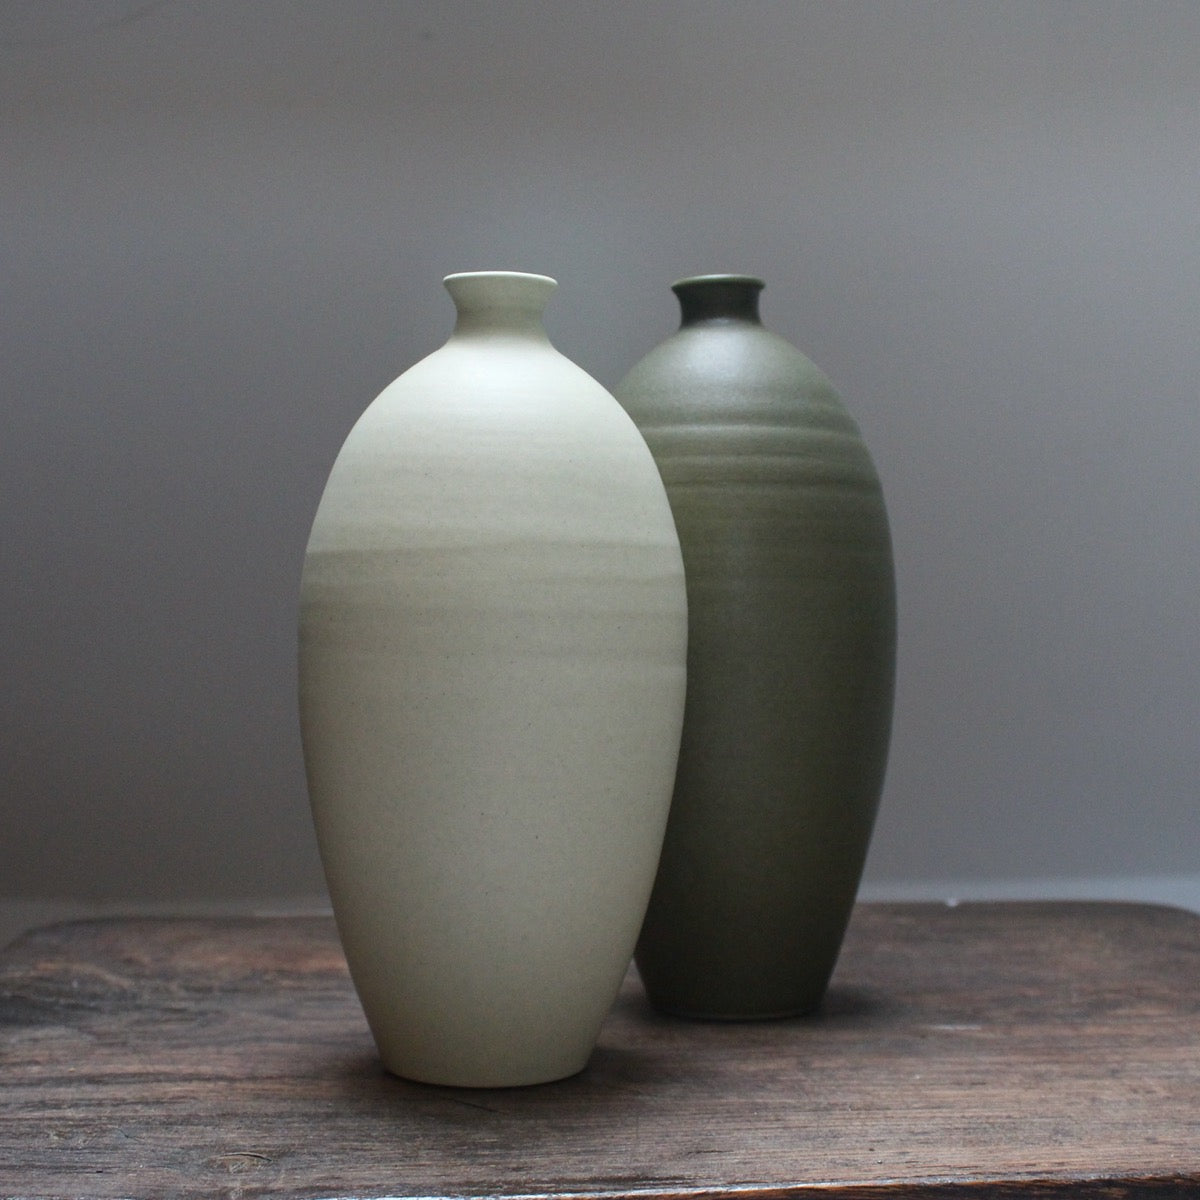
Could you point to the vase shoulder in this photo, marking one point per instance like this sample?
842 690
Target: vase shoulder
732 400
724 370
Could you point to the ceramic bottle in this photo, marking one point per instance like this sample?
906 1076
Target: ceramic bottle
492 658
790 663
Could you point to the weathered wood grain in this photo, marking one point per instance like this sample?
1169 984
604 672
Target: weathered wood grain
1010 1050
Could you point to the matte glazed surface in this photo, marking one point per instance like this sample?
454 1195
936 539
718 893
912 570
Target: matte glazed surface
492 649
790 660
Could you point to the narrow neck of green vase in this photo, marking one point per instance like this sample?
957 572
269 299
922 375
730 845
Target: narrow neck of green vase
499 303
718 298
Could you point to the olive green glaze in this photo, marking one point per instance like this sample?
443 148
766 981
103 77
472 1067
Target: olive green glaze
791 661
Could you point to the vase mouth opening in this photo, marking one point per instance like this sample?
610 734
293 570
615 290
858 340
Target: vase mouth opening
500 276
750 281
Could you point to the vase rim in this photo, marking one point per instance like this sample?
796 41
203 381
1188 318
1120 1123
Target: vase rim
455 275
687 280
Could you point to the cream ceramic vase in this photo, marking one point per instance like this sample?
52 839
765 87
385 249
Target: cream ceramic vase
492 665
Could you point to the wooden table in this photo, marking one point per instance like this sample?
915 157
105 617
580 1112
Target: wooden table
1000 1050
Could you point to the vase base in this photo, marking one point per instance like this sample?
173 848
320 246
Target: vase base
481 1077
688 1014
699 1013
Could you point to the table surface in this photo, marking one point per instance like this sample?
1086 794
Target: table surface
995 1050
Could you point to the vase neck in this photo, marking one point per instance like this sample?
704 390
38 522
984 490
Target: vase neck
718 298
499 302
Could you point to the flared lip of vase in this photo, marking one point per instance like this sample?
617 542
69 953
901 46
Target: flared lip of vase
530 275
688 280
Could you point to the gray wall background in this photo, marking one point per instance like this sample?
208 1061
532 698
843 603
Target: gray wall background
224 226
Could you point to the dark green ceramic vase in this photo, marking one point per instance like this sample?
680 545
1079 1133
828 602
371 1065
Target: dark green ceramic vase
791 661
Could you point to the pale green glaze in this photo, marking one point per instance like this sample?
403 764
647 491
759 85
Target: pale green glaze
492 640
791 658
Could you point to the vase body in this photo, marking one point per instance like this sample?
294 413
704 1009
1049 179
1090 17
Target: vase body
492 656
791 659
